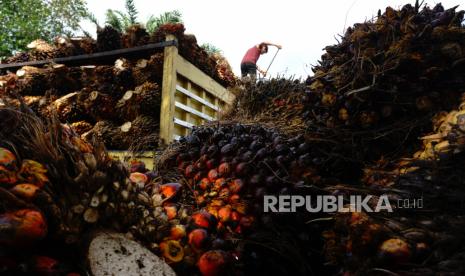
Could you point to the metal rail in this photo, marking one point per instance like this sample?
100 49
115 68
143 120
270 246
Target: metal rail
83 59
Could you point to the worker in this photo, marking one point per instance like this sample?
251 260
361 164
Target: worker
249 61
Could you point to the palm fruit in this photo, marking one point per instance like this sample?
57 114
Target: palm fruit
214 263
99 106
22 227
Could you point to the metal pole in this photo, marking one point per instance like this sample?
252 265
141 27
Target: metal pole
271 62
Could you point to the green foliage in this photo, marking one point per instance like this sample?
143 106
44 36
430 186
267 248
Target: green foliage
132 11
154 23
26 20
120 20
211 49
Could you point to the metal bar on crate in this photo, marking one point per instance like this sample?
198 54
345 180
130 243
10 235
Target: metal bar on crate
92 57
197 98
193 111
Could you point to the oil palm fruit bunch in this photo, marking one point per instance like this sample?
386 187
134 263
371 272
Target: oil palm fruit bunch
412 240
224 172
70 182
145 99
387 86
149 69
135 35
108 38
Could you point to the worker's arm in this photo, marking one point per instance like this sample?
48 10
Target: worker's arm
273 44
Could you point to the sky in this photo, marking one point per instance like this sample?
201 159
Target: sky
302 27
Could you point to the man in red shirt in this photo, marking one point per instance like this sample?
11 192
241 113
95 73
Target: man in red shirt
249 61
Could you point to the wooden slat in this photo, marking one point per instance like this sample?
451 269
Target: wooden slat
89 58
193 111
197 98
183 123
191 72
168 93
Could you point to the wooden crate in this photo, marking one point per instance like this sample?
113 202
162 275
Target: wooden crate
189 96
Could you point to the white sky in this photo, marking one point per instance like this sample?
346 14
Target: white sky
302 27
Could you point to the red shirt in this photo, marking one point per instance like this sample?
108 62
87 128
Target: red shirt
252 55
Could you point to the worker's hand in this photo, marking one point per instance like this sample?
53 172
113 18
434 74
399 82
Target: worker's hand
263 72
279 46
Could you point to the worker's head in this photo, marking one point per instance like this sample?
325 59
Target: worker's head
263 48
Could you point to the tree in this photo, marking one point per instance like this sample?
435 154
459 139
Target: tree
122 20
26 20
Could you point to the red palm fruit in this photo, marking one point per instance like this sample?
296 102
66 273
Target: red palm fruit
198 239
200 199
204 184
211 164
33 172
198 176
26 191
7 176
137 166
189 171
214 263
224 214
224 169
182 157
238 229
247 221
203 219
171 210
242 169
236 185
172 251
170 190
22 227
220 227
137 177
45 265
177 232
213 175
219 183
7 159
235 216
234 198
395 251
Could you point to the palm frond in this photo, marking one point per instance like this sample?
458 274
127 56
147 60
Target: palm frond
132 12
153 23
112 19
211 49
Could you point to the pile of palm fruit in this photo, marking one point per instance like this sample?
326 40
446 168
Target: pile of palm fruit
119 103
384 113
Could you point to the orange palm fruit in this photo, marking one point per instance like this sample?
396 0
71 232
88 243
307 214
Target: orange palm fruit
26 191
203 219
171 210
236 185
22 227
204 184
224 214
177 232
213 175
137 177
7 159
170 190
219 183
198 238
395 250
172 251
214 263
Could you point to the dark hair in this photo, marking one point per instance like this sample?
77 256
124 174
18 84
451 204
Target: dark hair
263 46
